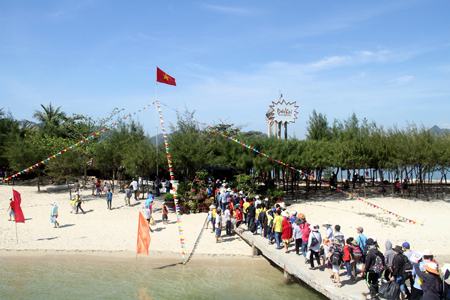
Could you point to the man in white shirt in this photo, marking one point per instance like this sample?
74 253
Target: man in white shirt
227 218
135 186
218 224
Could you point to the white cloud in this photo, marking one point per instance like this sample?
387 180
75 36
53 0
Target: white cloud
229 9
403 79
443 124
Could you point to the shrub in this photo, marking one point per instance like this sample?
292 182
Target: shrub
168 197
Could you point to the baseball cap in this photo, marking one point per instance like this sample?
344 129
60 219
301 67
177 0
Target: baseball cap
406 245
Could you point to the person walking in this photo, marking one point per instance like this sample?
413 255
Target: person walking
168 186
54 214
135 186
157 186
109 199
314 242
79 201
278 228
127 195
372 268
218 224
93 186
306 230
11 209
431 281
165 213
76 186
297 234
227 217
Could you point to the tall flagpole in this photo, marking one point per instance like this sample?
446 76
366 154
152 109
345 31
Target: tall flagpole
156 122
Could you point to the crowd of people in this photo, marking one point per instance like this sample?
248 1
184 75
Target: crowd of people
362 258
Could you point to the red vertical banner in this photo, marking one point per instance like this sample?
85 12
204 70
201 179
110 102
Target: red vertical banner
17 209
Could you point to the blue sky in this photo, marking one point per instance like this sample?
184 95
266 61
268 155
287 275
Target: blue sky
387 61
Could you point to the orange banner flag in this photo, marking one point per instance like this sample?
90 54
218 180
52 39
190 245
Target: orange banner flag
143 238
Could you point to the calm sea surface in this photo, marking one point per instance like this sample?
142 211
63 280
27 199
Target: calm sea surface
46 279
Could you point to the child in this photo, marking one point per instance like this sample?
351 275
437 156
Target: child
54 214
105 187
348 257
11 209
327 246
218 224
165 211
98 187
108 199
74 205
297 236
127 195
209 216
147 215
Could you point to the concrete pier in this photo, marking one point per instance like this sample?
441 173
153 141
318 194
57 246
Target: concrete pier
294 265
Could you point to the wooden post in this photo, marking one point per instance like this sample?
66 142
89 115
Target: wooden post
287 277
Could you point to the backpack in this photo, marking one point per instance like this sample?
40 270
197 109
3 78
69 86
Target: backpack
378 266
314 241
407 267
336 257
305 230
356 251
253 227
260 216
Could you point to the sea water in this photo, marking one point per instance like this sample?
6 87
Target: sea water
74 279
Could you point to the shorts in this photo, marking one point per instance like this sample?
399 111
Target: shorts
209 219
401 282
335 268
218 231
164 217
11 213
286 241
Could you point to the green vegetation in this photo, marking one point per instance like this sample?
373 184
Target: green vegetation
125 151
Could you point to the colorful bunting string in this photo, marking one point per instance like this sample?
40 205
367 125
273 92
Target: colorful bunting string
287 165
172 178
73 146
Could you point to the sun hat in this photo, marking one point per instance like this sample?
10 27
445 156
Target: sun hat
427 252
285 213
10 198
336 241
228 190
398 249
360 229
374 239
76 193
301 216
314 227
326 223
354 242
256 197
432 268
53 203
325 240
406 245
266 199
293 213
297 221
283 205
164 202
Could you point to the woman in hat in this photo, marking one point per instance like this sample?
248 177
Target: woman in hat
54 214
432 283
329 234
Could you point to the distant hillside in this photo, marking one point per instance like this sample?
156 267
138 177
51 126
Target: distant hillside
438 130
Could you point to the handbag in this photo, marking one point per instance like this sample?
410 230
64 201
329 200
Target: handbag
390 290
152 222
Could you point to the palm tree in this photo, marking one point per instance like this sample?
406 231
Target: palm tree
50 115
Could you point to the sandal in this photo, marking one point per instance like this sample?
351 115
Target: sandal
338 285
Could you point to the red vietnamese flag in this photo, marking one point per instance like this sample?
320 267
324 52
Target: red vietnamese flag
162 77
17 209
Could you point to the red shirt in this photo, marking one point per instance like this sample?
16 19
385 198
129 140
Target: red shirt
346 253
11 204
287 231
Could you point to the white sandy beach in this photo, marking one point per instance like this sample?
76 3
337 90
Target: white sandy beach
102 230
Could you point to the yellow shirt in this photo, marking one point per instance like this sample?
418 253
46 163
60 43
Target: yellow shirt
246 205
214 212
278 223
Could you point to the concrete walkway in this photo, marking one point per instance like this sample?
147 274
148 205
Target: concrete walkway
295 266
